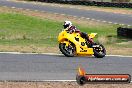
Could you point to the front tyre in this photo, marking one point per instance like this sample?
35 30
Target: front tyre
99 51
68 51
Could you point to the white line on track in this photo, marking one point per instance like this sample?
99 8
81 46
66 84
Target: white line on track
27 9
54 5
103 21
13 7
53 54
128 25
92 19
118 55
37 80
122 24
20 8
71 7
40 81
110 22
62 14
56 80
79 8
72 16
60 81
98 20
75 16
87 18
115 23
82 17
56 13
4 6
36 10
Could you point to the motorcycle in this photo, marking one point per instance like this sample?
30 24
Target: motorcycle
74 45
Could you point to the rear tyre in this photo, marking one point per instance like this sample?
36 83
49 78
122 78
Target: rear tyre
68 51
100 51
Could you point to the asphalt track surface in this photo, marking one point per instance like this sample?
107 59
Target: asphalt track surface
97 15
40 67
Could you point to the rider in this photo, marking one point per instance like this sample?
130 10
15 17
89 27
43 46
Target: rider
71 29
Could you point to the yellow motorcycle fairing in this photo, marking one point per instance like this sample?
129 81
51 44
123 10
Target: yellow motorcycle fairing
81 47
92 35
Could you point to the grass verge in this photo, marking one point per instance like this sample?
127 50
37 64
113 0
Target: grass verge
31 31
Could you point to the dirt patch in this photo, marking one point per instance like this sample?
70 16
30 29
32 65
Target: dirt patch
28 49
59 85
118 51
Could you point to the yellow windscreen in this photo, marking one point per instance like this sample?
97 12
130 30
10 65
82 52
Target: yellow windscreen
92 35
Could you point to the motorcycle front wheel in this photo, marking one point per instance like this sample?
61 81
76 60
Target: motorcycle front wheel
68 51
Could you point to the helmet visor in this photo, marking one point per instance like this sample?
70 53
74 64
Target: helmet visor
65 26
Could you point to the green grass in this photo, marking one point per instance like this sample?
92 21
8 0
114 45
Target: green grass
19 29
25 30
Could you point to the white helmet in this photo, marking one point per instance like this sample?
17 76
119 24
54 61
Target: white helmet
67 24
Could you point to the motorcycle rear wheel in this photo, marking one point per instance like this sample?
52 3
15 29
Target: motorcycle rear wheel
100 51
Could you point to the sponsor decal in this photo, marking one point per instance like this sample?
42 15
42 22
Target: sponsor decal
83 78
